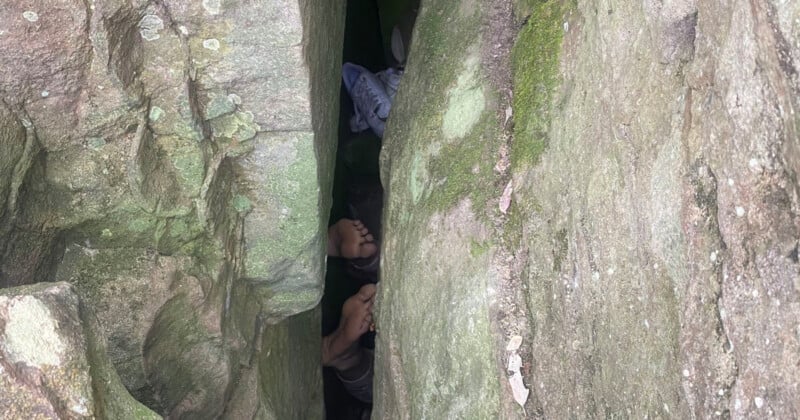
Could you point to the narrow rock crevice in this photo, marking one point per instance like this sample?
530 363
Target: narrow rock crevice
509 310
581 210
124 47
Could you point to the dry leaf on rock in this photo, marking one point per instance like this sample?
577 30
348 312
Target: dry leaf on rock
514 343
514 363
518 389
505 199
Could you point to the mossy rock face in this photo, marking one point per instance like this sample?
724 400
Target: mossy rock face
435 352
268 379
127 288
281 231
280 363
144 146
173 96
651 227
535 61
624 212
185 359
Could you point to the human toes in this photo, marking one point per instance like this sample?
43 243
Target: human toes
365 324
360 226
366 317
367 293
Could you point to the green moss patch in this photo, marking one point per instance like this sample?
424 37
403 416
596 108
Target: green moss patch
461 170
444 139
535 60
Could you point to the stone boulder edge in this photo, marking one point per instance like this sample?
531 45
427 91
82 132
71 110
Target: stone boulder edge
226 94
127 287
53 359
437 354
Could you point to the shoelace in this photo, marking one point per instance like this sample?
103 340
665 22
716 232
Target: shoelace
379 101
391 80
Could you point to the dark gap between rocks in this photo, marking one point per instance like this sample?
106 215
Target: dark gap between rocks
357 191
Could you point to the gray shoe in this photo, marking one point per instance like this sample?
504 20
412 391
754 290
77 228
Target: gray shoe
372 96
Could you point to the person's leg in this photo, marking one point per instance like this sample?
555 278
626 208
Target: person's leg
338 347
341 350
350 239
357 380
370 100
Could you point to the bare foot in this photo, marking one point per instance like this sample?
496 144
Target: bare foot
340 349
350 239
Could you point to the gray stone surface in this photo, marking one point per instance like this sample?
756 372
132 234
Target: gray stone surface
647 251
128 288
284 366
679 211
162 156
436 345
12 140
619 190
140 110
53 362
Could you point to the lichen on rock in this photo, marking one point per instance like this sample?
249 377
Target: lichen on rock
130 169
641 283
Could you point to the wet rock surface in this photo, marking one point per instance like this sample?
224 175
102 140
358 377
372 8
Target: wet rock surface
436 355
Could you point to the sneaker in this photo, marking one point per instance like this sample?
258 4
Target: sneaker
371 100
391 81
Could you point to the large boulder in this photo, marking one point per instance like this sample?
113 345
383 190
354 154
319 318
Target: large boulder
161 125
437 351
632 216
173 160
658 208
52 359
